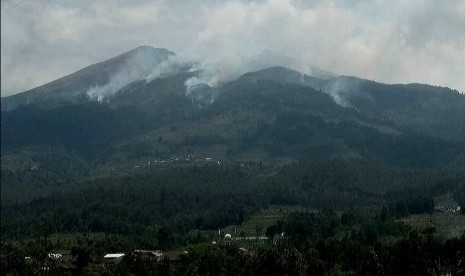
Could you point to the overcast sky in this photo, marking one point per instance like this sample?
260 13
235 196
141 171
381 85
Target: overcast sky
393 41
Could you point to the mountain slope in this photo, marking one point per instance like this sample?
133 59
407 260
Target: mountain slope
149 149
419 108
273 113
73 88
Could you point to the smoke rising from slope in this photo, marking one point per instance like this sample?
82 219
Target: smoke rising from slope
387 41
144 65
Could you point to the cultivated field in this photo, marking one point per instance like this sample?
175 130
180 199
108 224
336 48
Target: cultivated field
447 221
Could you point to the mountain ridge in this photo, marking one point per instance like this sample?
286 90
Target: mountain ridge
78 86
243 113
273 136
93 75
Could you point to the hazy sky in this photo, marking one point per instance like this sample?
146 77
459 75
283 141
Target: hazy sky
393 41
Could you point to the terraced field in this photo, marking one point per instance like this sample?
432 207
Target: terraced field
257 224
446 219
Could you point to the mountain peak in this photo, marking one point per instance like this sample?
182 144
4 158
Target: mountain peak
284 75
144 49
75 86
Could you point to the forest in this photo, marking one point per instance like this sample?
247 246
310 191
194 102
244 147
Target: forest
376 187
352 224
315 243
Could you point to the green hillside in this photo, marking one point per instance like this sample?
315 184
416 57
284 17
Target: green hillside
352 164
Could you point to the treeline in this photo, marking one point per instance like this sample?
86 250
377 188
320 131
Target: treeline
415 254
213 196
304 243
38 172
185 198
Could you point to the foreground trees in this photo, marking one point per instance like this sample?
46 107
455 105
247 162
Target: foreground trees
314 243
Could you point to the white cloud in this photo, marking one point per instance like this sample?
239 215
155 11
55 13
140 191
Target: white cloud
388 41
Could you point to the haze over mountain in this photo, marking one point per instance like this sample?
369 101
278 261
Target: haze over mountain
147 89
100 79
148 138
265 137
386 41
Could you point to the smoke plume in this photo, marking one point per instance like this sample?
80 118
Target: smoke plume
387 41
144 64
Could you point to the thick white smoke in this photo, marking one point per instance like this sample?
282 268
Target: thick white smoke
214 70
147 64
337 89
387 41
144 64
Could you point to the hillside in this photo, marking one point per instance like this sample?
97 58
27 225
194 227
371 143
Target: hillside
144 149
72 88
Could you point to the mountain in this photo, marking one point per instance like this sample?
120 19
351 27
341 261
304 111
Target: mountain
136 108
125 145
73 88
419 108
143 91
